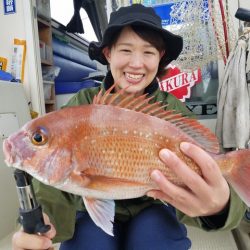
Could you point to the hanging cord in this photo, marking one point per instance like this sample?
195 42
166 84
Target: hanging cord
224 57
225 28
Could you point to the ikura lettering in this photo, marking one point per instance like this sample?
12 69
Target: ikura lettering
180 83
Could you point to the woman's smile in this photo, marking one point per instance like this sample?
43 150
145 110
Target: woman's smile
133 78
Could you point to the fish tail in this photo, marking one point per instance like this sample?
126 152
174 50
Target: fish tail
239 174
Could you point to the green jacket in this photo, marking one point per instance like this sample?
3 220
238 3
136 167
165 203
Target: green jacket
61 206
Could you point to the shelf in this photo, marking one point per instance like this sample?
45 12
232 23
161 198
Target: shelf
43 23
48 82
50 101
47 63
46 53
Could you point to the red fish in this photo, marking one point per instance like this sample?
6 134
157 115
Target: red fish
106 151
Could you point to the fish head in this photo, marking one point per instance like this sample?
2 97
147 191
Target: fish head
42 149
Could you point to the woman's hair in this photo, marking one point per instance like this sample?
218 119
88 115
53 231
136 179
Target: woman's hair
149 35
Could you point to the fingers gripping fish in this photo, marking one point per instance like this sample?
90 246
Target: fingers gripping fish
106 151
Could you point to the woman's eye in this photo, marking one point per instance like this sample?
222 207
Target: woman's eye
149 52
39 137
125 50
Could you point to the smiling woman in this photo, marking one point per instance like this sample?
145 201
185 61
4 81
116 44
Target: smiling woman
140 60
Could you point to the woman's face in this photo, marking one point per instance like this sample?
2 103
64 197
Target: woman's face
133 61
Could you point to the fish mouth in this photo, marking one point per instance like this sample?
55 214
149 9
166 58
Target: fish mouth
14 158
8 153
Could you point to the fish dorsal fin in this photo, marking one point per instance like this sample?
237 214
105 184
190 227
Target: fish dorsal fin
204 136
102 212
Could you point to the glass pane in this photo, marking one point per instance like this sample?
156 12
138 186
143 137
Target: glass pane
203 99
194 76
63 10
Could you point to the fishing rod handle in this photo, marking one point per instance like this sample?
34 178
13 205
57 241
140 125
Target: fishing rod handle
30 212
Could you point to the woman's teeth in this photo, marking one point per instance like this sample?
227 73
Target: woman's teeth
134 77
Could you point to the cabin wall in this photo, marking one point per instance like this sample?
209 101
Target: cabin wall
23 25
13 115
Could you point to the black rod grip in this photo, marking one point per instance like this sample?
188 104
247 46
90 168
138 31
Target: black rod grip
243 14
30 212
32 221
22 178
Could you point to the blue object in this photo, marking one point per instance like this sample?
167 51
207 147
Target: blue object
247 216
154 228
74 65
5 76
164 12
67 51
71 71
73 87
9 7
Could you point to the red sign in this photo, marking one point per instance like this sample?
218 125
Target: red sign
179 83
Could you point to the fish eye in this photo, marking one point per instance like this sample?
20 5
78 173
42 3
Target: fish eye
39 137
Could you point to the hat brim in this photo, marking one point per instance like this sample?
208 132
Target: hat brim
174 43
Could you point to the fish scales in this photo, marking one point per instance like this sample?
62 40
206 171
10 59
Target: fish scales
114 148
103 151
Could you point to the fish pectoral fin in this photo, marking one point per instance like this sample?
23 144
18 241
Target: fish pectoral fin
102 212
164 202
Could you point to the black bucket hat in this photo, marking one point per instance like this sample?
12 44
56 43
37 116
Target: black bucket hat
137 14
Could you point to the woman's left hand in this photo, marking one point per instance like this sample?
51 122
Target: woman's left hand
203 195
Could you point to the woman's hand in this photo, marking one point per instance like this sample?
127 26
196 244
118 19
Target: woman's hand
22 240
204 195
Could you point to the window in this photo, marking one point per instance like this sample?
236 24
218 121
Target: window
196 86
62 11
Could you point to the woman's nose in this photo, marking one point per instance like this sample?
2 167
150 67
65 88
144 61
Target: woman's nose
136 61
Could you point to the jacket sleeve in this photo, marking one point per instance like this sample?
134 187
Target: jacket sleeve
84 96
231 217
61 208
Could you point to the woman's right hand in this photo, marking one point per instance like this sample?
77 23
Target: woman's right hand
22 240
